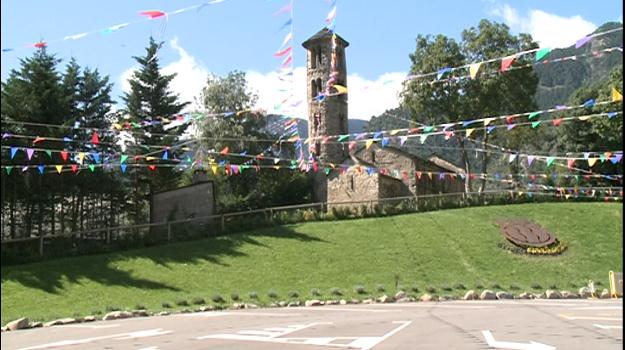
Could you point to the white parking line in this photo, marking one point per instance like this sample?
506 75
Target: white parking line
90 326
607 326
591 318
118 336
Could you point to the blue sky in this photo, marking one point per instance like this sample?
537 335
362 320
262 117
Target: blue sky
243 35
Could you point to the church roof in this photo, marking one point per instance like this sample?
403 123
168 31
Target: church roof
324 33
439 162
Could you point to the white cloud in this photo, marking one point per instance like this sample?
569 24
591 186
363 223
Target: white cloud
548 29
190 75
366 97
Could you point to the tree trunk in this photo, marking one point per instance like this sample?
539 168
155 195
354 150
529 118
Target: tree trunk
467 170
484 170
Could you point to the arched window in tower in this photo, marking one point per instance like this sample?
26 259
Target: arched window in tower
319 85
313 89
319 57
313 58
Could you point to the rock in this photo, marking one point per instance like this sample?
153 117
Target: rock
162 313
400 295
206 308
368 301
251 306
585 292
488 295
20 323
553 294
293 304
237 306
568 295
140 313
354 301
60 322
405 300
35 325
343 302
331 302
525 295
427 297
273 305
539 295
185 311
313 302
3 329
470 295
504 295
605 294
385 299
282 303
89 318
117 315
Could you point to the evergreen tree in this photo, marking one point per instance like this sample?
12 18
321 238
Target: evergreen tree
148 101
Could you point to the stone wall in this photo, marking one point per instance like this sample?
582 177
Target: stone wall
353 186
196 200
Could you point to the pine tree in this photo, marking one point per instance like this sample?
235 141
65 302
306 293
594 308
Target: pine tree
148 101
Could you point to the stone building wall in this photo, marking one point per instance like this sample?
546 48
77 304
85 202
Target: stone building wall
353 186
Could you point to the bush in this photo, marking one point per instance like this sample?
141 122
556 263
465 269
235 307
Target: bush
165 305
218 298
496 286
272 294
553 286
253 295
446 288
140 307
430 289
401 288
310 215
536 286
414 289
315 292
234 297
514 287
182 302
360 289
111 308
380 288
198 301
293 294
479 286
459 286
336 291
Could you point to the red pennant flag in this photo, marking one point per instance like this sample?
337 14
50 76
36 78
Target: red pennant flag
506 62
556 122
152 14
74 168
152 167
95 139
224 151
418 175
509 119
38 140
283 52
41 44
405 174
315 166
64 155
570 163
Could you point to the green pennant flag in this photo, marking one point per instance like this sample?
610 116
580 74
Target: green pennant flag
428 129
533 115
540 54
8 169
343 138
327 170
535 124
124 157
549 161
49 153
91 167
135 125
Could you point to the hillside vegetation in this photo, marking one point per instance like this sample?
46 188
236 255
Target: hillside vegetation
438 250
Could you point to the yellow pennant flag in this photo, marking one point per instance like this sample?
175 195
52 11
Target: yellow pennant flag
340 89
592 161
488 120
59 168
474 69
616 96
81 157
584 118
214 169
369 143
430 175
394 132
149 158
277 167
469 132
117 126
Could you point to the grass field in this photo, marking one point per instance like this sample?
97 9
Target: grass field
427 250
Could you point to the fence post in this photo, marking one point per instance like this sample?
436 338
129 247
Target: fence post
322 209
271 215
168 232
41 246
108 235
223 223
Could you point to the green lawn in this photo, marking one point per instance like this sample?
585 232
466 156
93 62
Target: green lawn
434 249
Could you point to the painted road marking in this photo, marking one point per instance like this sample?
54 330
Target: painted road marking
455 306
91 326
590 318
118 336
600 308
607 326
362 343
218 314
317 308
490 340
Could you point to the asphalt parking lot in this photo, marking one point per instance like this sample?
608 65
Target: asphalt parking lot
500 324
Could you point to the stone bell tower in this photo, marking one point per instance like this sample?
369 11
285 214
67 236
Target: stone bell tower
327 114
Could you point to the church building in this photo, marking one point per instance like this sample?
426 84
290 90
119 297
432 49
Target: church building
406 174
